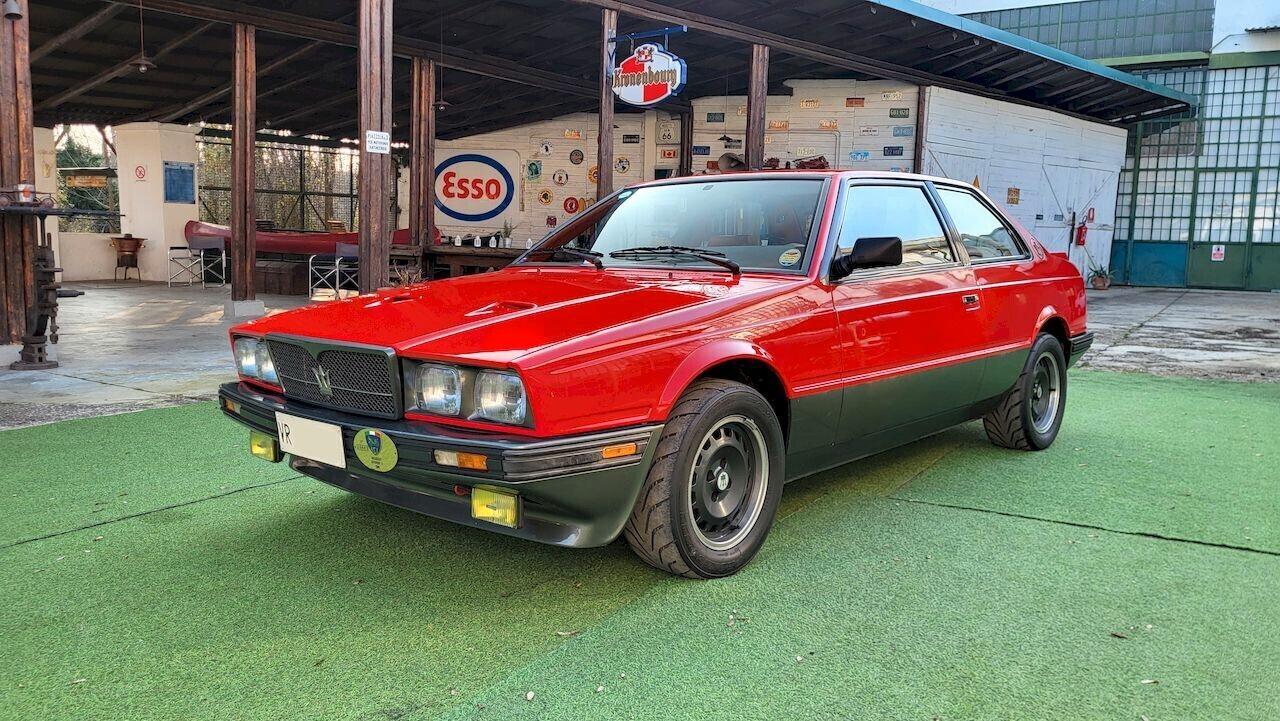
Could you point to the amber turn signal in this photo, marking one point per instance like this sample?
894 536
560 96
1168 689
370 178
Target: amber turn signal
456 459
620 450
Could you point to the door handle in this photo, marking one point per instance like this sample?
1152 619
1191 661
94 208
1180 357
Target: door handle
970 301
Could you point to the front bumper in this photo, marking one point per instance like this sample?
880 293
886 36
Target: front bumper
1079 344
569 496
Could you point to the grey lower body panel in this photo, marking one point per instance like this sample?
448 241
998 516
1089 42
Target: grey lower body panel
566 498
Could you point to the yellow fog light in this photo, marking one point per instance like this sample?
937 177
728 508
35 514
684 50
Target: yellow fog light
621 450
264 446
495 507
457 459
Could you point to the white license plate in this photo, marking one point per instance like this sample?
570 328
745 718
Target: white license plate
311 439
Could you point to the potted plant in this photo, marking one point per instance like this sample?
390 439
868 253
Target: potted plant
1099 277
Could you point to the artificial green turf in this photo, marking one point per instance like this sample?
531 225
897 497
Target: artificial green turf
1186 459
76 473
297 601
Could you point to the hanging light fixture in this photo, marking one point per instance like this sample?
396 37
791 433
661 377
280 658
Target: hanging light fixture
12 10
142 63
441 103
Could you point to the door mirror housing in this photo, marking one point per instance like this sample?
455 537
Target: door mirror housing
875 252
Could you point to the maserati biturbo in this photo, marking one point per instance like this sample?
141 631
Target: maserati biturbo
659 366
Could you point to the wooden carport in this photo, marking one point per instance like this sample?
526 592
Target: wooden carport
289 65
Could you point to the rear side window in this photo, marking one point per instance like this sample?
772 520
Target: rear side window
895 211
984 235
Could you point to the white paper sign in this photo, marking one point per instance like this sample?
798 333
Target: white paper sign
376 141
1218 253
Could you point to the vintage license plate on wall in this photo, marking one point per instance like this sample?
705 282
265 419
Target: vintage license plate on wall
311 439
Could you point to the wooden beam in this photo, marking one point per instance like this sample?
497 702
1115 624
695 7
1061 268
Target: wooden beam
244 83
375 52
172 113
339 33
422 152
757 96
123 67
17 165
75 32
686 143
604 141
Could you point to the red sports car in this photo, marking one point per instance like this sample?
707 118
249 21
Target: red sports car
662 364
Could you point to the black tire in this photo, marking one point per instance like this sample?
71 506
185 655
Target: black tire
1030 414
669 527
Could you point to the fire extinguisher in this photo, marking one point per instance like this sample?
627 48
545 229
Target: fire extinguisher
1082 233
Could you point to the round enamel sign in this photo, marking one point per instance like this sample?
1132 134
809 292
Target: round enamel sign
473 187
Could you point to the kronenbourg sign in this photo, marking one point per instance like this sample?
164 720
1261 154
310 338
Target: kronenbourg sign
477 187
648 76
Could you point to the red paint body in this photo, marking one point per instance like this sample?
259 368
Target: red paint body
614 348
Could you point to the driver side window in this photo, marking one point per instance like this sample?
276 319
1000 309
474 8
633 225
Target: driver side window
895 211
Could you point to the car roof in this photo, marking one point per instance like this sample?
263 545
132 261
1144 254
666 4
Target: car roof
801 173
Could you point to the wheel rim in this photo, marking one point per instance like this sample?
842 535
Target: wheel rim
1046 392
727 484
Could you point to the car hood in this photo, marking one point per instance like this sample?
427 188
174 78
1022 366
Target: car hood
495 318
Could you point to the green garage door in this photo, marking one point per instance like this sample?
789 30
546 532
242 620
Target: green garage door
1219 250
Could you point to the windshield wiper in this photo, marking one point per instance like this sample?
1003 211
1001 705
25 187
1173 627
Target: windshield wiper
711 256
590 256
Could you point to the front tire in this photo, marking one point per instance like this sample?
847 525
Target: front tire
713 490
1030 414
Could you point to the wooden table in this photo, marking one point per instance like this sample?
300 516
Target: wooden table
465 259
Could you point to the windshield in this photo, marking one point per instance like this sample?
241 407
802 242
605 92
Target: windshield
757 224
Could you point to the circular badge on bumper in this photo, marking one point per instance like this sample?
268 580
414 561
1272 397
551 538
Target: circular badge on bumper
376 450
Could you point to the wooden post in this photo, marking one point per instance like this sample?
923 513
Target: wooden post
243 159
17 165
422 163
757 95
375 167
922 97
604 149
686 143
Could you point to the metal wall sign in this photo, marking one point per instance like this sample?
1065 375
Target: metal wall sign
649 75
892 150
474 187
899 112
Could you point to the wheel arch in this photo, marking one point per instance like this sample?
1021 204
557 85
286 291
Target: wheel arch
1054 324
733 360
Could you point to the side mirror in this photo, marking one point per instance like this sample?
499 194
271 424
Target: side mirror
874 252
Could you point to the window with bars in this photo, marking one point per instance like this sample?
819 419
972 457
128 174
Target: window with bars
1112 28
1211 177
298 187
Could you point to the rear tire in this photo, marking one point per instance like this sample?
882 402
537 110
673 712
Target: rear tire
713 489
1030 414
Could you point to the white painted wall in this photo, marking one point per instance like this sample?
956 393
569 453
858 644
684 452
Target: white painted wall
47 177
1057 164
526 141
1231 17
800 124
146 215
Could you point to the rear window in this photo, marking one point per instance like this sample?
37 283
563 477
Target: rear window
984 235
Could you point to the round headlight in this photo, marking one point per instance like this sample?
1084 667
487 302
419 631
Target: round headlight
246 352
438 389
500 397
266 366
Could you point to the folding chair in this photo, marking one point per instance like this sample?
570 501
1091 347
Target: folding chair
203 258
335 272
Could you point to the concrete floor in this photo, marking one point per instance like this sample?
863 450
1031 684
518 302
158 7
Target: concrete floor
1189 333
127 347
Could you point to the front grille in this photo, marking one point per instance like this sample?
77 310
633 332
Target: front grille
360 381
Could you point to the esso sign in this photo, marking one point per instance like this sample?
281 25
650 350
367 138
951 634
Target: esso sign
474 187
